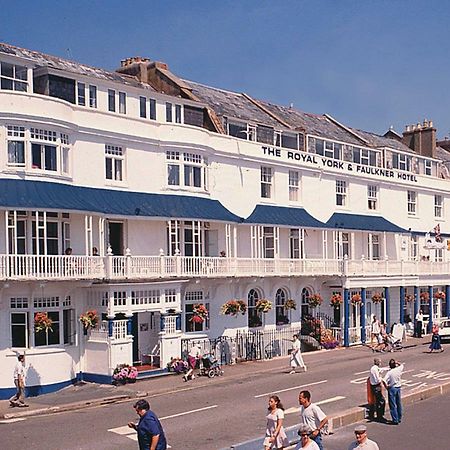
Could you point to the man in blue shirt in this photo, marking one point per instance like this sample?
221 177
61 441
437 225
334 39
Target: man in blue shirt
149 430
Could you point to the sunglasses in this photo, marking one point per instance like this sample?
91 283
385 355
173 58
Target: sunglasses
359 432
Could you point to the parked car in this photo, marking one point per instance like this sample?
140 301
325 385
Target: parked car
444 331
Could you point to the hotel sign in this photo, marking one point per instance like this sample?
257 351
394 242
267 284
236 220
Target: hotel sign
322 162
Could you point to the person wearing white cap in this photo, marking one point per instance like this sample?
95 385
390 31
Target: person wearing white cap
362 441
304 431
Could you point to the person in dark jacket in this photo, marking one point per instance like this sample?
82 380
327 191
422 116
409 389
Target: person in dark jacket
149 430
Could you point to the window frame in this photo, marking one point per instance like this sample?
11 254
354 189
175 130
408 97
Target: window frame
266 182
14 79
116 154
412 203
111 100
372 197
341 192
294 185
438 206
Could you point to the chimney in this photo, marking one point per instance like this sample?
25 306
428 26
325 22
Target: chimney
421 138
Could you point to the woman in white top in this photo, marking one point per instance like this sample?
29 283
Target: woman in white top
296 355
275 435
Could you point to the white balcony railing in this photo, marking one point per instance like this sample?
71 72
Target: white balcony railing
29 267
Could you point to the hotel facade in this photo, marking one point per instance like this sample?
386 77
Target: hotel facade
141 195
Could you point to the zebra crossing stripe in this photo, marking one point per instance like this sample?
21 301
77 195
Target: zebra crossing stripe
127 432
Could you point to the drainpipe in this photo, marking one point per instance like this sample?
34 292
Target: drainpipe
346 317
363 315
402 305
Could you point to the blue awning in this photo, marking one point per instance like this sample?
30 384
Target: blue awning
281 215
362 222
20 194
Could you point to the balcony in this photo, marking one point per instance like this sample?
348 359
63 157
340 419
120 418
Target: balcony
59 268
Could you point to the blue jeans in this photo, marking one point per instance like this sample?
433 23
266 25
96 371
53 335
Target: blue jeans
395 403
318 441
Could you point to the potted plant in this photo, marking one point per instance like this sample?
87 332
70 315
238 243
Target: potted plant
42 322
233 308
315 300
377 297
263 305
290 304
327 340
89 319
124 373
439 295
356 299
336 300
200 313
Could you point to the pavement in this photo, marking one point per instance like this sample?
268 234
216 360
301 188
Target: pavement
84 395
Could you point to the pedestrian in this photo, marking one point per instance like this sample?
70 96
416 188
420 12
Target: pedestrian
275 435
313 416
435 339
419 322
18 399
193 357
376 389
296 359
149 430
362 441
305 441
393 383
375 330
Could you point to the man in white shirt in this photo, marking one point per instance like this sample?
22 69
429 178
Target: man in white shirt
313 416
376 387
19 380
419 322
393 383
362 441
375 330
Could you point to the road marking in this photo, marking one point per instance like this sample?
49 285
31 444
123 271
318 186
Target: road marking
18 419
290 389
127 432
189 412
296 409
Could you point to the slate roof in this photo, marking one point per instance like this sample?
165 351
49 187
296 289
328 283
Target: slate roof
380 141
231 104
53 62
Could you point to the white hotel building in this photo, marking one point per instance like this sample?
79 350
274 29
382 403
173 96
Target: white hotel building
164 175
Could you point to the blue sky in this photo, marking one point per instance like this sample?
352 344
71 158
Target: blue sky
368 63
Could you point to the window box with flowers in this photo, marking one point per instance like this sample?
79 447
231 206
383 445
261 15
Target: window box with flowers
263 305
356 299
336 300
439 295
377 297
124 373
89 320
233 308
315 300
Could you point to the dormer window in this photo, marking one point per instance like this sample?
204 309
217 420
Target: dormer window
401 161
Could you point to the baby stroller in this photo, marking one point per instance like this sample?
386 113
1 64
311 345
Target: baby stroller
210 366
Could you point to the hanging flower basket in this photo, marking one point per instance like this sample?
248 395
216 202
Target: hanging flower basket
356 299
290 304
377 297
263 305
424 296
409 298
336 300
233 308
42 322
89 319
439 295
200 313
315 300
